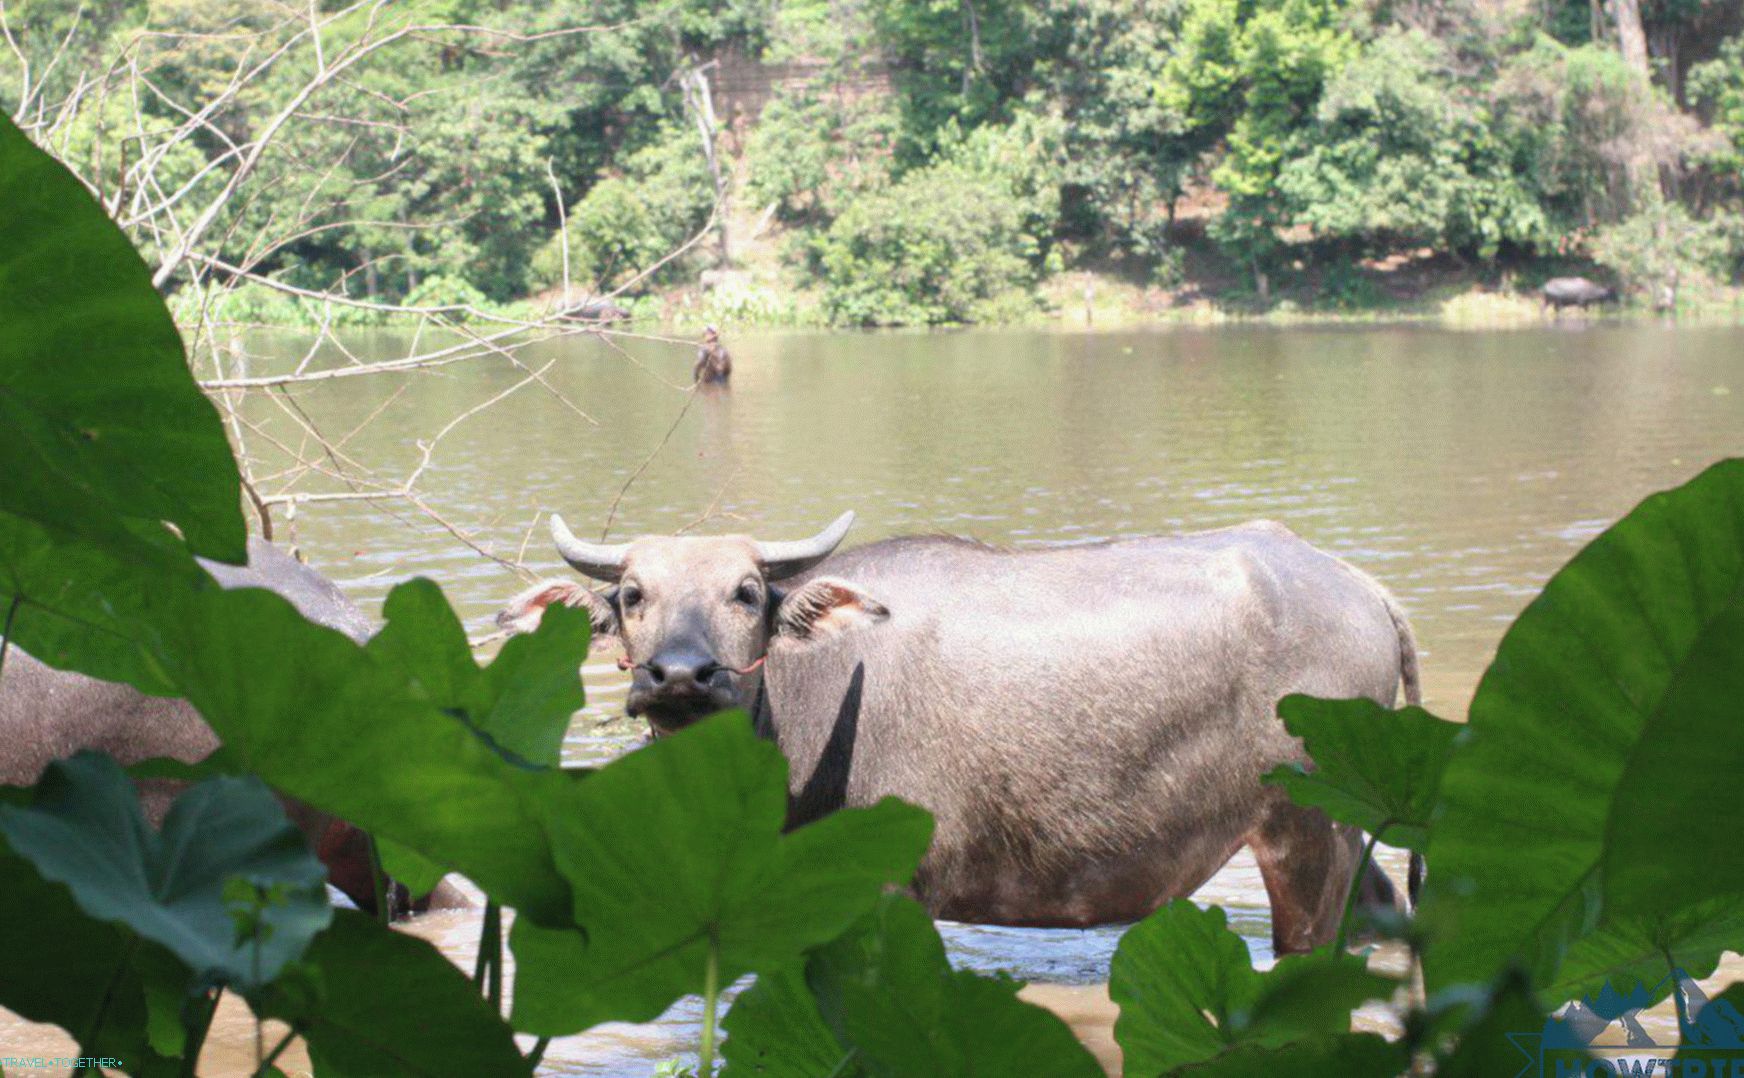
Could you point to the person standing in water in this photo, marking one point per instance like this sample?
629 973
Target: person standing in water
713 363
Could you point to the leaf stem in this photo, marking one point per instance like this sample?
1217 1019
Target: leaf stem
711 998
538 1052
6 633
198 1023
841 1068
272 1057
487 970
1356 882
88 1041
379 879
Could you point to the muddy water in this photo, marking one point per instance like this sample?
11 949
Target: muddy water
1459 468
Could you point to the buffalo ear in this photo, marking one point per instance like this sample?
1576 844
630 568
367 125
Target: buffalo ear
524 611
825 607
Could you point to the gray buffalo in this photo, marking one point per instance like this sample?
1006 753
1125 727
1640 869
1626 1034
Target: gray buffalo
46 714
1087 724
1560 292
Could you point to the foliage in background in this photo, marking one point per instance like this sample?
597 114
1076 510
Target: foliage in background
945 241
1296 134
627 223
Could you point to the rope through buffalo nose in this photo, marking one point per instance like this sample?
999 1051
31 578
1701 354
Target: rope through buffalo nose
624 663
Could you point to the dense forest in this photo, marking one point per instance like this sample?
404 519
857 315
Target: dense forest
903 162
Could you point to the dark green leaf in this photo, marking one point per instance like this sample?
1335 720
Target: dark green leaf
774 1029
102 421
1188 992
84 829
43 929
680 844
1499 1035
372 1001
1347 1055
83 607
1373 767
1641 949
887 990
522 703
1677 801
1603 739
347 733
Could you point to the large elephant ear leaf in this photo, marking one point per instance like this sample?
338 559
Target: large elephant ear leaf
884 1001
228 887
103 422
1606 737
428 1021
1374 768
522 703
41 928
678 859
1189 995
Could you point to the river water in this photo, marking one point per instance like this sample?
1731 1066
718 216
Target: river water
1460 468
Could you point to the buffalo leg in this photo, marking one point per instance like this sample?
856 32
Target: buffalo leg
1307 863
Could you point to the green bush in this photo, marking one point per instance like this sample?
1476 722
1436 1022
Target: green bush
445 291
955 241
1663 250
1718 87
627 223
813 150
1402 156
931 249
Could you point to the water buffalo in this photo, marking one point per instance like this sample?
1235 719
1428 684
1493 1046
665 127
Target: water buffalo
1560 292
1087 724
46 714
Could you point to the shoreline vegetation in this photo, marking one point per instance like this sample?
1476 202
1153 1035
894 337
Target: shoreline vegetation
875 163
1080 301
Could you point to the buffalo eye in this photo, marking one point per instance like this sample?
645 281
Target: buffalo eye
629 596
749 594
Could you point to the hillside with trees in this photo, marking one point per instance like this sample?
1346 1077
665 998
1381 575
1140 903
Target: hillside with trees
896 162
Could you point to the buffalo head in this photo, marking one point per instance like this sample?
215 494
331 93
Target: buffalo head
696 616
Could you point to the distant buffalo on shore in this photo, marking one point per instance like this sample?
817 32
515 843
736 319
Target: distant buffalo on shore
1560 292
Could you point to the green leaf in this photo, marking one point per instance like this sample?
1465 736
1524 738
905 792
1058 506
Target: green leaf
678 847
1603 739
1678 798
1499 1035
774 1030
522 703
1348 1055
43 929
82 606
1374 767
373 1001
1188 992
887 990
103 422
1641 949
84 829
337 727
534 685
350 735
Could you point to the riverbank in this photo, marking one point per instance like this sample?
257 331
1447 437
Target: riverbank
1079 299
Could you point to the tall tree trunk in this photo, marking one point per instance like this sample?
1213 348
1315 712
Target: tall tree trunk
1631 38
701 102
971 23
1644 180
